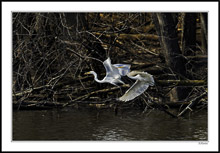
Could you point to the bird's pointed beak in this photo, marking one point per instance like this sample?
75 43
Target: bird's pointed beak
87 73
121 67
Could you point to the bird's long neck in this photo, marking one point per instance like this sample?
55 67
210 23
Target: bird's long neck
95 78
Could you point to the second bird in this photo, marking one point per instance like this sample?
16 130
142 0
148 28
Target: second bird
143 81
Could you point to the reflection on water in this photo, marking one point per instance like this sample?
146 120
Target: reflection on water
105 125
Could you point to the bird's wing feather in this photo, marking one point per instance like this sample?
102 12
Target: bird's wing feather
135 90
112 72
107 65
123 69
128 66
148 77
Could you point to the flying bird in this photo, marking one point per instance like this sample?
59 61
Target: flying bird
113 72
143 81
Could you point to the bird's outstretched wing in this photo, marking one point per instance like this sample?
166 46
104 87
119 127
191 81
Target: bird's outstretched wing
135 90
108 66
112 73
123 69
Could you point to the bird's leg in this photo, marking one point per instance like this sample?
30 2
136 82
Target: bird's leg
117 86
120 86
120 89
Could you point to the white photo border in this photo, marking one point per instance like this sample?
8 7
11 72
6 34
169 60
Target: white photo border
9 7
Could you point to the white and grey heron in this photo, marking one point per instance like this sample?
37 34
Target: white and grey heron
143 81
113 72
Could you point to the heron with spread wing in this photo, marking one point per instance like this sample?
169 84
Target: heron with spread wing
113 72
143 81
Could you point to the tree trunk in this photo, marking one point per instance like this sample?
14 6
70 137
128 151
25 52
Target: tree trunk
204 33
189 34
166 29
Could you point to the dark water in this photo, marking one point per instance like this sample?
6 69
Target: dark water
105 125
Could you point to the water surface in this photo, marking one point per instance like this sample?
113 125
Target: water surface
105 125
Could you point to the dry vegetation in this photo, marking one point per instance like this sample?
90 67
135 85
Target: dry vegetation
52 51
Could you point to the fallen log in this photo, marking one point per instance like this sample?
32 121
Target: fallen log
35 105
158 83
29 90
181 82
132 30
129 36
95 92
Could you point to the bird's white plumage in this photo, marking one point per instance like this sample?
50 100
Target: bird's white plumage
123 69
135 90
113 72
143 81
